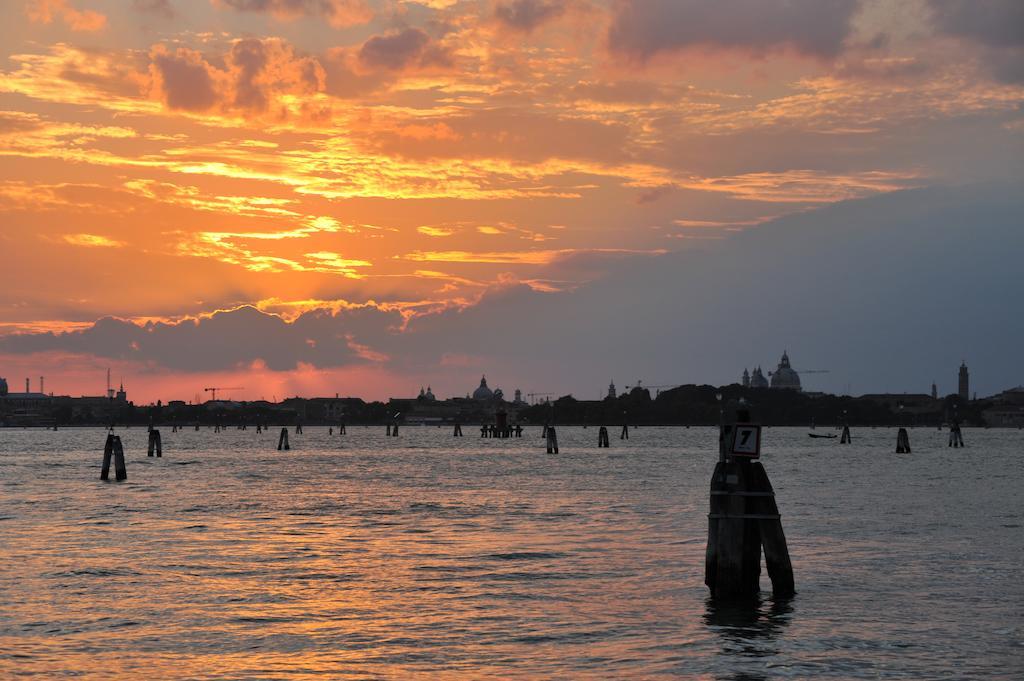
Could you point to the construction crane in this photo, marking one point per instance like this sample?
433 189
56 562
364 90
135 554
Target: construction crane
533 395
805 371
214 391
657 388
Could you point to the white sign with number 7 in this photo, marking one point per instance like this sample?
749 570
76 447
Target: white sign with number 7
746 440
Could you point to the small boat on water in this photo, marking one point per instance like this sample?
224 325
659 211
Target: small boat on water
830 436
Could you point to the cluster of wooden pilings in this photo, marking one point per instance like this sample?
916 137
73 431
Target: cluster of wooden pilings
551 439
743 519
113 450
602 437
956 438
494 430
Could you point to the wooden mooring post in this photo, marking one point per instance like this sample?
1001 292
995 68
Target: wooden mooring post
113 450
341 429
956 438
845 439
744 518
902 441
282 441
624 435
155 444
552 440
457 432
602 437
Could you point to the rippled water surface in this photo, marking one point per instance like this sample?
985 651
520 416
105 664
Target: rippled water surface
426 556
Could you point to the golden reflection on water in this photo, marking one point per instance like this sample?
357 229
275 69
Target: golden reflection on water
424 558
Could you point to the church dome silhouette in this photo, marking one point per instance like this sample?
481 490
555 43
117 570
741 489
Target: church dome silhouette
785 376
483 392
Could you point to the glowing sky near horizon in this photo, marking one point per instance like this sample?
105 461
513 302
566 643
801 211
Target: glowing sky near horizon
364 166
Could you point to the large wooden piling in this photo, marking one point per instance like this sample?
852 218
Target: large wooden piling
552 440
282 441
845 439
388 431
394 430
956 438
624 435
155 444
113 450
298 429
519 430
457 432
743 519
602 437
902 442
341 429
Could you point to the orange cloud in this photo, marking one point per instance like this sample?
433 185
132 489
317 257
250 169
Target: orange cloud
45 11
339 13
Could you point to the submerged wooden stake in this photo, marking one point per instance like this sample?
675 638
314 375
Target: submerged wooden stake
743 519
902 442
552 440
155 444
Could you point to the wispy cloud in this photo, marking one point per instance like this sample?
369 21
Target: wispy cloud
92 241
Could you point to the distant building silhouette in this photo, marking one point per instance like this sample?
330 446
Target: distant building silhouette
757 379
784 377
964 383
612 393
935 392
746 379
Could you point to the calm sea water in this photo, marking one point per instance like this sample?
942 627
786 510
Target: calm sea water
424 556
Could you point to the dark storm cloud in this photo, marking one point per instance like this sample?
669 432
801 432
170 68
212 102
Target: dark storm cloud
159 7
250 58
641 29
402 49
186 81
526 15
224 340
997 23
996 26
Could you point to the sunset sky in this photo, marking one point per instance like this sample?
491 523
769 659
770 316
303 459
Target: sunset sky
363 197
